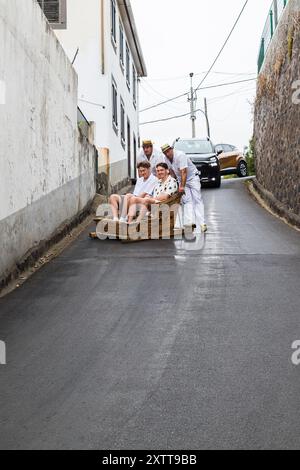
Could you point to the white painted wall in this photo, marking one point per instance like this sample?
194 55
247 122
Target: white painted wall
45 176
84 32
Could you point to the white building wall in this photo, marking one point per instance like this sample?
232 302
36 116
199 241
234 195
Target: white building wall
46 176
84 32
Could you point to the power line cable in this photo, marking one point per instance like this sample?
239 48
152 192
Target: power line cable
182 77
226 84
203 88
237 92
224 45
211 67
197 110
163 102
144 82
169 118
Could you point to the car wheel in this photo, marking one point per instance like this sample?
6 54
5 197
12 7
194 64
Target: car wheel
242 169
217 183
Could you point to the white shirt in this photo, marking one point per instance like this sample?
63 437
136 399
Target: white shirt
145 186
169 187
156 158
180 162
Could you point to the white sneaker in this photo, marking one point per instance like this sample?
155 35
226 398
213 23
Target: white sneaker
116 219
123 220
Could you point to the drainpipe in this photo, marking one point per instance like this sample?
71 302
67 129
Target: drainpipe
102 35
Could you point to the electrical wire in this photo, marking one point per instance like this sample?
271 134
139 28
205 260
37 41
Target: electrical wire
213 100
224 45
208 72
228 83
182 77
163 102
170 118
203 88
150 88
223 97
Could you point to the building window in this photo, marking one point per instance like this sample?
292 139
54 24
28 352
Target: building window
134 85
121 39
127 66
123 137
114 106
55 12
113 15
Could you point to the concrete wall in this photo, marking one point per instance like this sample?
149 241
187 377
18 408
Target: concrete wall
277 118
95 80
47 170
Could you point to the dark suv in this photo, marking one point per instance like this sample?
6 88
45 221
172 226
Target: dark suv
203 155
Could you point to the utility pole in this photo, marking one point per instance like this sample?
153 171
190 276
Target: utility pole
193 99
206 116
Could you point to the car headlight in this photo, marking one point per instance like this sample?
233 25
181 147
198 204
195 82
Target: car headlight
213 161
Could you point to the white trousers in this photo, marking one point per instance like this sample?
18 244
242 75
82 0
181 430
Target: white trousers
193 207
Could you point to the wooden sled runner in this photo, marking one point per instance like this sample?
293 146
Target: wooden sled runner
160 225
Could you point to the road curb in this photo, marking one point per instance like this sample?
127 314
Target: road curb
49 249
270 203
34 255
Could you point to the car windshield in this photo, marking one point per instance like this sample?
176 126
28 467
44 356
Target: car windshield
194 147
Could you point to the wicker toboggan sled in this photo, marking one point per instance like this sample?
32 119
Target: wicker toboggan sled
160 225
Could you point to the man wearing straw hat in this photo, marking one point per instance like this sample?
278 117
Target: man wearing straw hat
189 184
151 155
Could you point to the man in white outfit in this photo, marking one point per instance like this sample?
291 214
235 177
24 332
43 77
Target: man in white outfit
189 184
153 156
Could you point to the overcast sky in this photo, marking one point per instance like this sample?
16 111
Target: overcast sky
179 37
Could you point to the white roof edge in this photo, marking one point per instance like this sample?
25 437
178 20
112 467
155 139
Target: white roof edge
132 36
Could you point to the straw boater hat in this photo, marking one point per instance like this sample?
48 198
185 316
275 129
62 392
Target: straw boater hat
165 148
147 143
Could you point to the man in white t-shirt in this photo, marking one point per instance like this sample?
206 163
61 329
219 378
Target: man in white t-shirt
153 156
144 187
189 184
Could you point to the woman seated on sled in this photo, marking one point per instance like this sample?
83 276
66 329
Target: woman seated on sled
164 189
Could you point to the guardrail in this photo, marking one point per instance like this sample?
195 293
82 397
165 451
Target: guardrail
272 21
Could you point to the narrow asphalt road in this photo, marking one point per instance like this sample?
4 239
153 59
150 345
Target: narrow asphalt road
160 344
